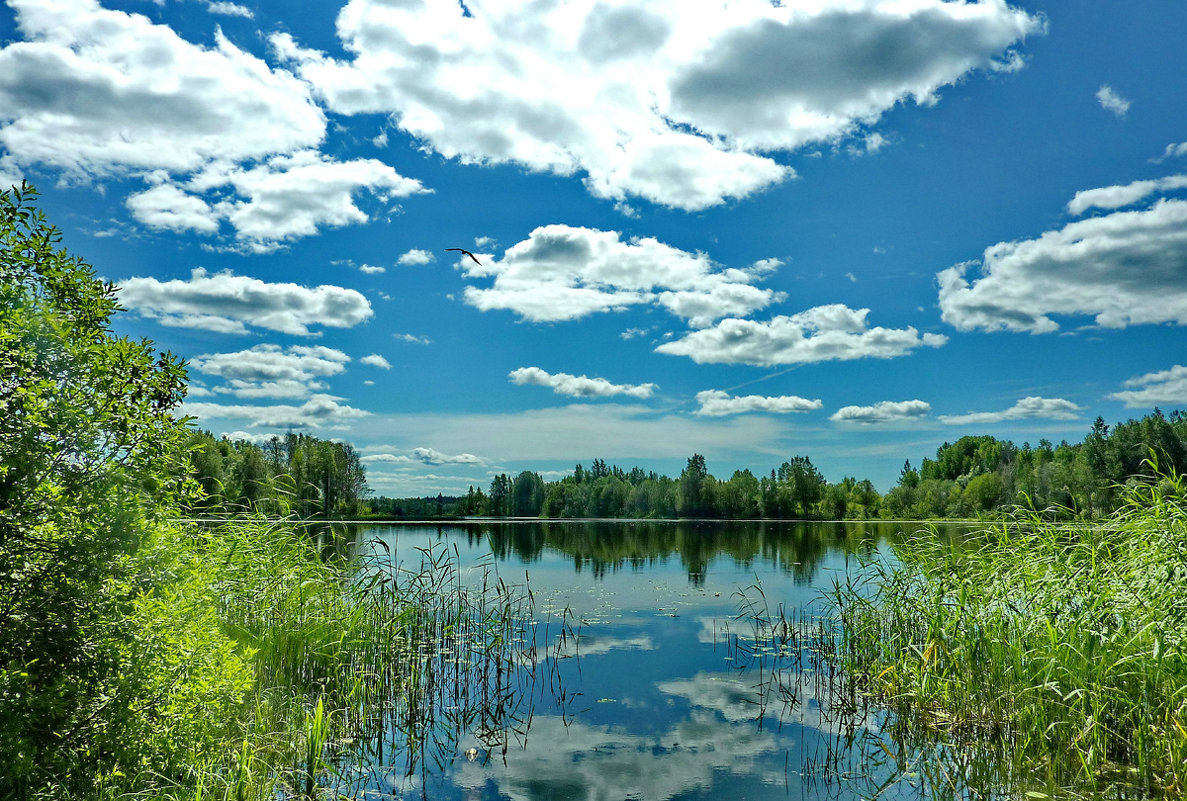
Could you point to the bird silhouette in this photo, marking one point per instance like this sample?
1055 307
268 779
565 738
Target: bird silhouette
468 253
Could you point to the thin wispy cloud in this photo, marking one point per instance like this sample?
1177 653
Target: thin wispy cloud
1030 408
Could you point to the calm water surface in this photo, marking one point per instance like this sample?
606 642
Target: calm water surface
651 680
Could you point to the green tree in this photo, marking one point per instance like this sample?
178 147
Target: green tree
90 457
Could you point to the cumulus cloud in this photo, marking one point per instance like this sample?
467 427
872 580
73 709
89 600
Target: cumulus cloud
883 413
229 303
1031 408
679 103
822 333
562 272
375 360
270 371
416 256
1112 102
1124 268
428 456
1151 389
1116 197
717 403
320 411
97 92
578 386
285 198
371 269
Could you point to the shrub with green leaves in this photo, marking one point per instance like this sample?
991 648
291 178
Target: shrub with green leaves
89 454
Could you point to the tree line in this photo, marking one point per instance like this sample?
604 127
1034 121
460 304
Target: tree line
974 476
294 474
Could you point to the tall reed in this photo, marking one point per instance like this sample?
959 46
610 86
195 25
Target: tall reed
321 665
1062 645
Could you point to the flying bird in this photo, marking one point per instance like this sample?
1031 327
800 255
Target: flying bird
468 253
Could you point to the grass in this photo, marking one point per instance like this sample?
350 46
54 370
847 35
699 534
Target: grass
1057 647
263 670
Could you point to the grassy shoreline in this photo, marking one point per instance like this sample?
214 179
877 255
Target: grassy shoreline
1061 644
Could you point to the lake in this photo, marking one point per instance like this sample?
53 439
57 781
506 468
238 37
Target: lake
664 660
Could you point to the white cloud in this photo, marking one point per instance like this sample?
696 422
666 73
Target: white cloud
1031 408
320 411
562 272
1112 102
269 371
285 198
413 338
96 91
1152 389
428 456
1173 151
1116 197
371 269
229 303
166 206
1124 268
416 256
883 413
677 102
578 386
716 403
375 360
822 333
229 9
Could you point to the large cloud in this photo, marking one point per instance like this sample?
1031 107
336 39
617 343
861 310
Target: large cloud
1031 408
578 386
562 272
1151 389
229 303
675 102
717 403
98 92
1123 268
822 333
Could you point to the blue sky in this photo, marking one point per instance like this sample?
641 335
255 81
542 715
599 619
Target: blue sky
846 229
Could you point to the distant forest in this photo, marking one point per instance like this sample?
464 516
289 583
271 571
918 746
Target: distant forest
974 476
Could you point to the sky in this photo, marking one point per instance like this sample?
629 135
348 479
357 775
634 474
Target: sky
851 230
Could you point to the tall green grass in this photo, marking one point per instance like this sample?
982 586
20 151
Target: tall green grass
262 670
1057 647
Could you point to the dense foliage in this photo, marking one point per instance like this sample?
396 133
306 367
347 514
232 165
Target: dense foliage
975 476
89 465
145 657
297 473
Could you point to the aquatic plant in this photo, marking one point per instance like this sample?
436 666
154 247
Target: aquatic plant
1058 646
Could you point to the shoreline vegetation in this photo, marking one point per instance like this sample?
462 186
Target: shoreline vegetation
1059 647
974 478
143 655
